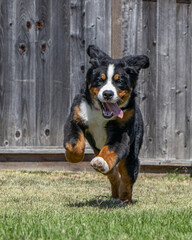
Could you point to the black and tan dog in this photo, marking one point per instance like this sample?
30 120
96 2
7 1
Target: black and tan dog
106 114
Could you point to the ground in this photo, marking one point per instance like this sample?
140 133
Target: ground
66 205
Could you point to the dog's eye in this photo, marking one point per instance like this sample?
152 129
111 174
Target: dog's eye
103 76
116 77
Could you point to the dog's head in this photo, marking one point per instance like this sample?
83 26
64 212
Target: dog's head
111 81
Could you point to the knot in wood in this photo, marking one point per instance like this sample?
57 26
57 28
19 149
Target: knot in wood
22 47
47 132
28 25
17 134
6 142
39 24
43 47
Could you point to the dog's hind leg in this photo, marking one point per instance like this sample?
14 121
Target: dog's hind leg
126 184
114 179
74 143
128 169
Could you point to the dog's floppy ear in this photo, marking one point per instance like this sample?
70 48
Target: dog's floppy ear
97 57
137 62
132 65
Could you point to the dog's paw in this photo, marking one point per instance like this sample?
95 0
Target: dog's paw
100 165
125 203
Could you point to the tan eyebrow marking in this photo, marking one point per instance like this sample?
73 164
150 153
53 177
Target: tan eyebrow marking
116 77
103 76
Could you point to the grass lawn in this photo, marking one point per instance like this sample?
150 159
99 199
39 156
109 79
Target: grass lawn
64 205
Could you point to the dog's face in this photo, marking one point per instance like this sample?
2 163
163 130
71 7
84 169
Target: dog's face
111 81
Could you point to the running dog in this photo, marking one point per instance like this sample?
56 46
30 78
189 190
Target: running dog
106 114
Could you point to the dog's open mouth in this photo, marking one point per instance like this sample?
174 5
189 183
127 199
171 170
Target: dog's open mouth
111 109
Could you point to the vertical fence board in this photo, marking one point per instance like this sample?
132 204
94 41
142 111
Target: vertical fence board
96 25
129 13
108 26
147 81
4 73
166 68
24 92
183 75
90 15
77 18
188 128
99 8
116 29
43 69
8 125
60 69
14 134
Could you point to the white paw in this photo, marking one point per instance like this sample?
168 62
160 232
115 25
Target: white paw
115 200
99 164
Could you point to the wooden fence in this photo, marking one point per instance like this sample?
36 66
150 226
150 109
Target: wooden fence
43 63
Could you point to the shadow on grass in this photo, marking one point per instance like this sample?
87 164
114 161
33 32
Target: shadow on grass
99 203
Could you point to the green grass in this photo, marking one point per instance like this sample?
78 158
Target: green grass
64 205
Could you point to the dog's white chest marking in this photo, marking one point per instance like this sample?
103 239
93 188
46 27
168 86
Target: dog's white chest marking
96 123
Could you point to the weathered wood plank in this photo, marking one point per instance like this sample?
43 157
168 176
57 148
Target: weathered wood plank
97 22
182 138
77 46
46 155
166 69
147 81
60 69
8 128
177 1
129 24
42 22
24 89
53 165
90 37
116 29
100 33
4 73
184 1
108 20
189 95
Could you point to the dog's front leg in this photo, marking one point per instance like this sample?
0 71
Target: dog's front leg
74 142
115 150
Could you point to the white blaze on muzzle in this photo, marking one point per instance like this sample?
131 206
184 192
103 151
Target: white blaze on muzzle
110 107
109 86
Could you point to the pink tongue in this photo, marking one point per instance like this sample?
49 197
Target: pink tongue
114 108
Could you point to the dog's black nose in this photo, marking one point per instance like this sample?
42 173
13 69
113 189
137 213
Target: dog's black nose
108 94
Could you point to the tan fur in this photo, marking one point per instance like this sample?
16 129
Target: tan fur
76 115
94 92
109 156
103 76
75 154
114 179
124 95
116 77
125 192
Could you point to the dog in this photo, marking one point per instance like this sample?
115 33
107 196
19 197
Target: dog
106 114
